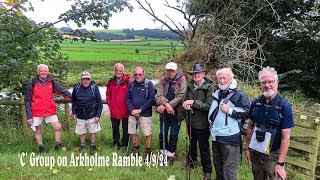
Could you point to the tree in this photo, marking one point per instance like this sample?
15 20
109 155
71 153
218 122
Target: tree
249 34
24 44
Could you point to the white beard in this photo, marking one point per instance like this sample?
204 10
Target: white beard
223 87
268 93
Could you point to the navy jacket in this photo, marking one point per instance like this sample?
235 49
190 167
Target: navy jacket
136 97
86 102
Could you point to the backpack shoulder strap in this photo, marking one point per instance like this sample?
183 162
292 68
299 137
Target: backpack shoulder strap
229 96
33 81
131 86
146 86
127 82
280 107
93 89
77 88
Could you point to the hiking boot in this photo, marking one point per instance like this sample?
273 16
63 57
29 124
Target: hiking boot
42 149
58 146
93 149
207 176
170 160
82 147
135 150
147 155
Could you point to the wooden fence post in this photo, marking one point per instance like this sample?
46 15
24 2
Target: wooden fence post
317 109
67 115
24 116
315 142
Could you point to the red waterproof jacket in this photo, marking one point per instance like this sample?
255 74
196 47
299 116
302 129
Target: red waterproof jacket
116 97
39 99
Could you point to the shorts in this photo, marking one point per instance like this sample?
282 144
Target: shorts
83 125
144 122
37 121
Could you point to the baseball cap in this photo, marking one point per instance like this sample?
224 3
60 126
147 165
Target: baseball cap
85 74
171 65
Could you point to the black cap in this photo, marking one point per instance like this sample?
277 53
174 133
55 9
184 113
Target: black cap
197 68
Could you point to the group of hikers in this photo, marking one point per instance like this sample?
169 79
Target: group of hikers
210 111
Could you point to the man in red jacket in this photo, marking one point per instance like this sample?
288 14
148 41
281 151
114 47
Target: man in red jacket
116 98
40 105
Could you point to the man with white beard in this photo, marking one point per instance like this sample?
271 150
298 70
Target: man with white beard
230 106
270 123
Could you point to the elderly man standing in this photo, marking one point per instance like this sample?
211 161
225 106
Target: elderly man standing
40 105
271 122
230 106
197 101
116 92
171 90
86 110
139 99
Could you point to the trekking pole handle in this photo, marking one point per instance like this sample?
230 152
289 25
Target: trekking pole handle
191 110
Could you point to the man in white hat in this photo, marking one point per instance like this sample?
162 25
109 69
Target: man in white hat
171 90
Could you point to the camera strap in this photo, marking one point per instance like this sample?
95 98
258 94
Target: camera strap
260 102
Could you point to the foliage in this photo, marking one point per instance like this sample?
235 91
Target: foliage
298 59
24 44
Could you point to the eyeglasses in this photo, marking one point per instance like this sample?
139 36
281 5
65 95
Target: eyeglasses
138 74
267 82
118 70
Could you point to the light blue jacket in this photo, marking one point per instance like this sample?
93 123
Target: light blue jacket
238 110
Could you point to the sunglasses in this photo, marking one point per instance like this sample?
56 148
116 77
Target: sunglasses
138 74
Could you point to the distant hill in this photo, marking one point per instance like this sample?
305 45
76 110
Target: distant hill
108 35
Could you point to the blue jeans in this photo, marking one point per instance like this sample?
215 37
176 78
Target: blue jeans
165 124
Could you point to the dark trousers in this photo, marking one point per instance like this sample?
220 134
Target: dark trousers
165 124
115 131
263 165
226 158
201 136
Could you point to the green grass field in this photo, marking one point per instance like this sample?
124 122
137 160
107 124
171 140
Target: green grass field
90 50
99 57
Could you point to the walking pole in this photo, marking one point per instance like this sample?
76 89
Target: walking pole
129 142
137 126
163 137
190 160
187 147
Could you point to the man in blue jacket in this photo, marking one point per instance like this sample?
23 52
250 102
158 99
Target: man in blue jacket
86 109
229 107
139 99
271 121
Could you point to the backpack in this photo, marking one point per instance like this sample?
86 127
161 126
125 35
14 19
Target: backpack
146 86
92 88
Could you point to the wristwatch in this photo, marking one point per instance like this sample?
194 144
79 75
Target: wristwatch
280 163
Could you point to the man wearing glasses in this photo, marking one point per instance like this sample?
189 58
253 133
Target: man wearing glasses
139 99
270 123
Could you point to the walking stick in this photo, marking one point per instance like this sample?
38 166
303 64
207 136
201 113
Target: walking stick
128 147
189 160
163 137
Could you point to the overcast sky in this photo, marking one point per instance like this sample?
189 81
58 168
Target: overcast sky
49 11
